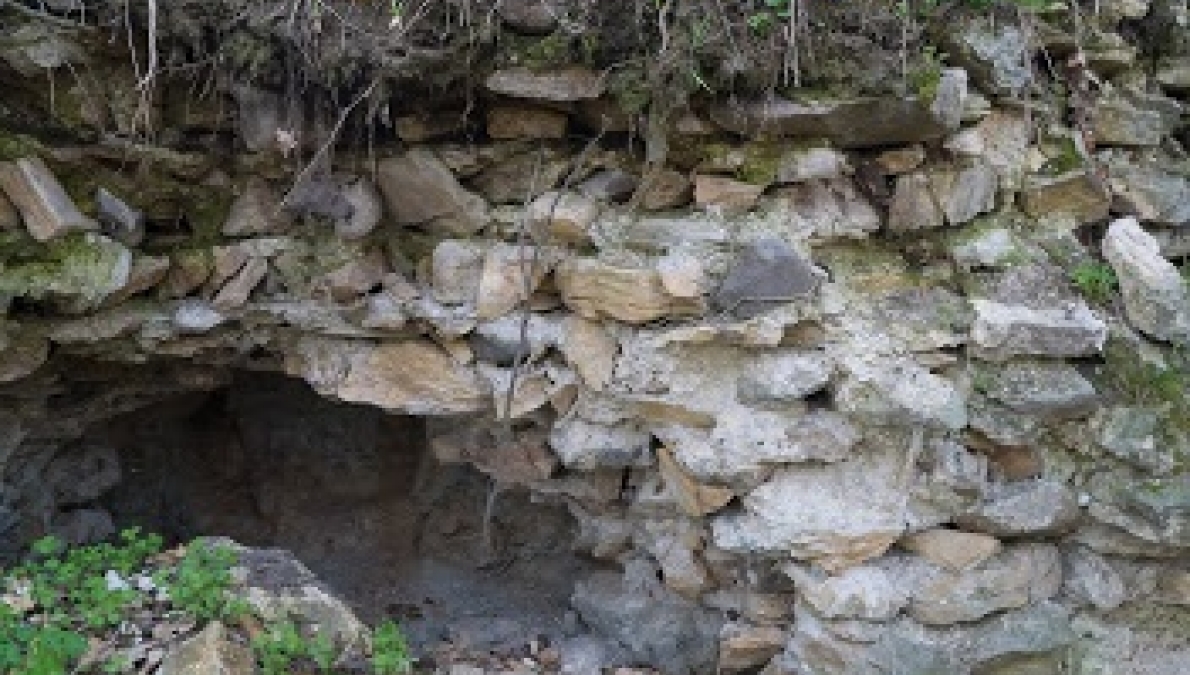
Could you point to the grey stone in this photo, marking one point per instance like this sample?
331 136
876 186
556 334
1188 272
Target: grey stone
419 189
47 211
1025 508
1076 194
967 193
1002 331
857 123
1135 435
799 166
534 17
1117 121
899 393
837 515
781 378
259 116
83 526
256 210
559 86
121 222
995 53
914 206
1091 579
1156 297
367 209
609 185
865 592
1015 578
193 316
211 651
655 625
1152 192
1153 509
589 655
768 273
499 341
1042 388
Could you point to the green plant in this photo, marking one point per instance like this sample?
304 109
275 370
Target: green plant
390 650
1095 280
200 582
763 21
283 646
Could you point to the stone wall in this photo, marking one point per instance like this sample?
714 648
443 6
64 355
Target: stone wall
846 385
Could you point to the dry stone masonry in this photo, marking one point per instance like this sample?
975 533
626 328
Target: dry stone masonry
864 384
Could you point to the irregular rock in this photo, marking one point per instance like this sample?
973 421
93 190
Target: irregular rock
74 274
768 273
210 652
899 393
861 123
367 209
743 646
1076 194
695 499
412 377
590 445
560 86
1152 192
10 217
189 269
799 166
951 549
682 274
609 185
723 196
146 272
509 122
1044 388
590 349
655 625
665 189
782 378
47 211
1117 121
1174 74
568 216
257 210
1134 434
996 54
1153 510
1024 508
837 515
900 160
1156 297
235 292
502 342
823 210
1002 331
593 288
745 444
1091 579
356 277
914 206
534 17
865 592
21 356
503 283
419 189
193 316
259 116
456 267
1017 577
965 194
120 221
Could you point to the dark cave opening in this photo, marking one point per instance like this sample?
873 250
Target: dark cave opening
356 495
